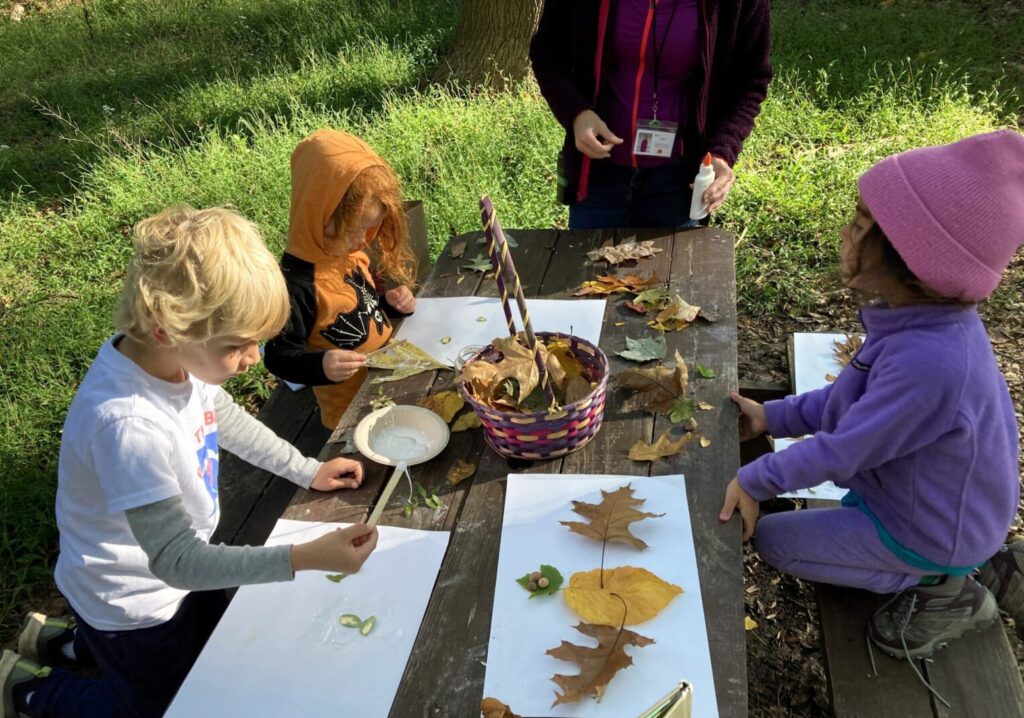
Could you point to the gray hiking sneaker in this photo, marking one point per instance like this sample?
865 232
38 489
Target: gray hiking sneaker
1003 575
15 670
919 620
41 638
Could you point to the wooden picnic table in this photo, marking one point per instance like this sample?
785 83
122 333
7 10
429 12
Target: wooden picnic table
445 673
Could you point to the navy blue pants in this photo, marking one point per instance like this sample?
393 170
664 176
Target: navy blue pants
620 196
141 670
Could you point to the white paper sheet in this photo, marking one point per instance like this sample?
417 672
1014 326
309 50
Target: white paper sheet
458 319
813 359
522 629
279 649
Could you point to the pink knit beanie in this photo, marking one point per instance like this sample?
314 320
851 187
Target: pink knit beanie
955 213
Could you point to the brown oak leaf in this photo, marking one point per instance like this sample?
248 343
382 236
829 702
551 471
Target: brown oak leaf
845 351
610 519
598 665
460 471
493 708
624 252
660 387
608 284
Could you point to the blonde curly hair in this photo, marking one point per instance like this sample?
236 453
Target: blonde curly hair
199 274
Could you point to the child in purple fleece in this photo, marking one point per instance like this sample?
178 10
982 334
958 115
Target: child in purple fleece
920 426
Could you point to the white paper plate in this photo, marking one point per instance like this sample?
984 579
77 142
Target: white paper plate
401 433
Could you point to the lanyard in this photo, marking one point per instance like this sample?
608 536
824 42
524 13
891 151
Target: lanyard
657 50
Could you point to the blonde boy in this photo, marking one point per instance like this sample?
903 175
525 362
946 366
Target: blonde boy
137 477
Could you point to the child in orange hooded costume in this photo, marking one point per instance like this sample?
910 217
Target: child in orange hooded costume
344 197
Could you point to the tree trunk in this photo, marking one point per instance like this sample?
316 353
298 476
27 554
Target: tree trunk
492 42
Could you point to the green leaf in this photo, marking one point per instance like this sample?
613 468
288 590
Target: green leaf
350 620
368 625
681 411
553 576
645 348
654 297
705 372
480 263
408 509
336 577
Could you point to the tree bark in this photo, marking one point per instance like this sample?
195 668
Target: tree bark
492 42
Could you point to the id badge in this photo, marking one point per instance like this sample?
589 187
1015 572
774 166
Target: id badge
655 138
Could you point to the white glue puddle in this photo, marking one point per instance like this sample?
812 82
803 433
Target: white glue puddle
400 443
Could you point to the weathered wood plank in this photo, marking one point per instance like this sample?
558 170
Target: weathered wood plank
703 274
978 675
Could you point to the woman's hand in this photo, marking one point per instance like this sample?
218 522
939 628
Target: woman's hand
714 196
593 138
402 299
753 421
340 364
737 498
343 550
338 473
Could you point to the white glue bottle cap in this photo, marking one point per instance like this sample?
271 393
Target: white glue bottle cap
706 175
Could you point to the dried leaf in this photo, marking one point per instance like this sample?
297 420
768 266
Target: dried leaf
830 378
638 308
845 351
620 324
578 388
481 319
607 284
624 252
405 358
517 363
661 387
676 316
645 348
493 708
458 249
749 623
595 595
446 340
480 263
460 471
705 372
469 420
560 350
610 519
705 442
552 574
705 406
597 665
445 404
664 446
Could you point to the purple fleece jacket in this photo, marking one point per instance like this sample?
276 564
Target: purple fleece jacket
920 425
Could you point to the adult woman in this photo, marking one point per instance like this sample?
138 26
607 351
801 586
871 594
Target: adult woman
688 75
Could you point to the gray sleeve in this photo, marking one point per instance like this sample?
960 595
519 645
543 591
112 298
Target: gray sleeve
182 560
249 439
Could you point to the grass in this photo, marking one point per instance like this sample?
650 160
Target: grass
203 102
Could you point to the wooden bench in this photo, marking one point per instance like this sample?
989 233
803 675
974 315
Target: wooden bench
977 674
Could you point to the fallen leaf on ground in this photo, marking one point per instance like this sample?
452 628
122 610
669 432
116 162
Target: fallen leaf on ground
620 324
610 519
644 348
460 471
661 387
469 420
607 284
705 442
404 358
493 708
445 404
598 665
595 595
624 252
705 406
664 446
749 623
676 316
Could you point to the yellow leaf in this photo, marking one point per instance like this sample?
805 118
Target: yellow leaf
664 446
488 379
560 351
749 623
469 420
620 324
704 406
460 471
405 358
644 593
676 316
445 404
705 442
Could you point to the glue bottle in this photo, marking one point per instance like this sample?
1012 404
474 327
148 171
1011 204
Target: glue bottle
706 175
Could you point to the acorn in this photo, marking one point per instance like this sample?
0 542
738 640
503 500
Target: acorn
535 576
531 586
543 582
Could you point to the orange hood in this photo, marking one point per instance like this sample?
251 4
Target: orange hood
323 168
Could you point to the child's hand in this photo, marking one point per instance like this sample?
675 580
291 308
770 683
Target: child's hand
753 421
402 299
340 364
342 550
736 497
338 474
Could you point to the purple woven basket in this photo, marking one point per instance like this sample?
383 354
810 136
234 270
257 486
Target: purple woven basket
546 434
